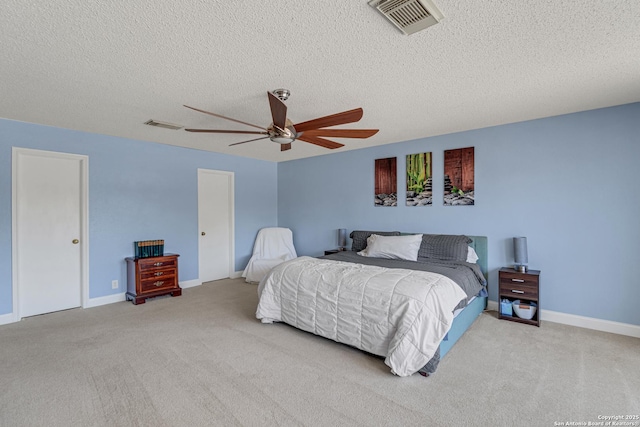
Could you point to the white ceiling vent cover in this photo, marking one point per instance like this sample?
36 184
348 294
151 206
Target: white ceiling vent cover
410 16
164 125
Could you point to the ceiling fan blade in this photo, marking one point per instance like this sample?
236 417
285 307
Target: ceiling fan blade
244 142
278 111
320 141
227 131
342 133
332 120
226 118
285 147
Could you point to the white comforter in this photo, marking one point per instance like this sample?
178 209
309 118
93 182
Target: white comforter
400 314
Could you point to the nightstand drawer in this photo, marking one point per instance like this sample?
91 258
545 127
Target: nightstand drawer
155 284
515 290
512 279
158 273
157 262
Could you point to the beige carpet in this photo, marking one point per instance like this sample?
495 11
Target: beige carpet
202 359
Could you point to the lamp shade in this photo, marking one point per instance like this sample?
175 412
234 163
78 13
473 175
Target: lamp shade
520 255
342 238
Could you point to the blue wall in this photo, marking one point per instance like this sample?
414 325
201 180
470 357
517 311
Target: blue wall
138 191
568 183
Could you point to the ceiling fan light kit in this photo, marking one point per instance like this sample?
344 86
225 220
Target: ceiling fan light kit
284 135
282 130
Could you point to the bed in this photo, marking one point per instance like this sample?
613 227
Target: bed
410 312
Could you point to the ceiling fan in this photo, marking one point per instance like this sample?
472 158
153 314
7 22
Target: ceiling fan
284 132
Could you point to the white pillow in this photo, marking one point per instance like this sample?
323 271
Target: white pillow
472 256
394 247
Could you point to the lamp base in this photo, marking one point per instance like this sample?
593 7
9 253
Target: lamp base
521 268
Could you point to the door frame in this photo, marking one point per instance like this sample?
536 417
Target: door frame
16 152
232 218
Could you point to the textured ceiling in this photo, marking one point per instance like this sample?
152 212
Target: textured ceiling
109 66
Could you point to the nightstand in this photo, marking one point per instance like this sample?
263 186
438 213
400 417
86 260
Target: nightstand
152 277
331 251
514 285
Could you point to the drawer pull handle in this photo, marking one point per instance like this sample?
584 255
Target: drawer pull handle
158 273
158 264
515 291
159 283
517 280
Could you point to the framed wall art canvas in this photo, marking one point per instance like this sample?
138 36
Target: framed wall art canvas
386 191
459 184
419 180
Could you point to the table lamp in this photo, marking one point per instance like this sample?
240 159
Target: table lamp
342 239
520 255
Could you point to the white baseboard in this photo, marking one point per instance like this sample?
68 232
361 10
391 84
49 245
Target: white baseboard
109 299
236 275
97 302
190 283
583 322
93 302
591 323
7 318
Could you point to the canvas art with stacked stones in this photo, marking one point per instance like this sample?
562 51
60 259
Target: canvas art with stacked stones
459 185
385 193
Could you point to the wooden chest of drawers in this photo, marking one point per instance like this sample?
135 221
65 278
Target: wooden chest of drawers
152 277
514 285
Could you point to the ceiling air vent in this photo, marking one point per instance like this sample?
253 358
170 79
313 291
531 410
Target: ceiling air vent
165 125
410 16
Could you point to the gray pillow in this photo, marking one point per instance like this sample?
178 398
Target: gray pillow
444 246
360 238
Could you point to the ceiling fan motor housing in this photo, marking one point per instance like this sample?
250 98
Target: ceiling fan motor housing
282 136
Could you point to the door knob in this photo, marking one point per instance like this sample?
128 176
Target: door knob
203 233
75 241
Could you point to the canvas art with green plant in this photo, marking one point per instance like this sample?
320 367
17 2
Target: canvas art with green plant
419 189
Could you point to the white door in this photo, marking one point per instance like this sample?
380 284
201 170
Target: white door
49 231
215 222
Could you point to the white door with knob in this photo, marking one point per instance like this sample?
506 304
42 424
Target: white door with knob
49 231
216 224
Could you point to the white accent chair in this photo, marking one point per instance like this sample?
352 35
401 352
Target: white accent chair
273 246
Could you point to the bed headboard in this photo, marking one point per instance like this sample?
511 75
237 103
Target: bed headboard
480 245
